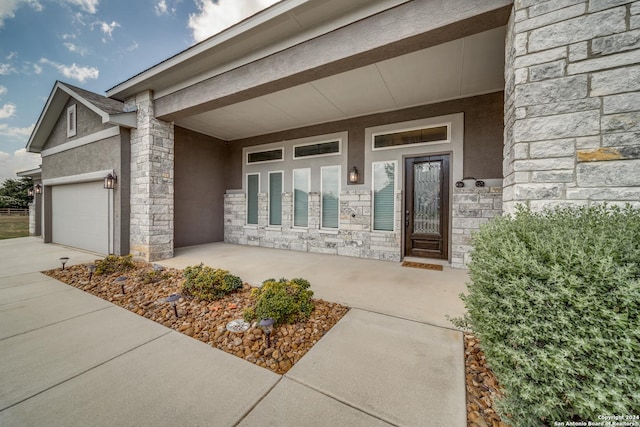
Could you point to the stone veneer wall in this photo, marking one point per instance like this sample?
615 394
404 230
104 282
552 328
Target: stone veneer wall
152 155
32 219
472 206
572 103
354 236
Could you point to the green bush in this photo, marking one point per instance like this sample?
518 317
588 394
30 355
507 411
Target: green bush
284 301
206 283
555 301
114 264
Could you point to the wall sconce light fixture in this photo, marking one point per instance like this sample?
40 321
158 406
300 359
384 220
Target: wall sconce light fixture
353 175
30 192
38 189
110 181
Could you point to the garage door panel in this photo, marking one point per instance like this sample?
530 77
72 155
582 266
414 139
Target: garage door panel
80 216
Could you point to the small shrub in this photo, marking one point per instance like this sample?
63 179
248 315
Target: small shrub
555 301
206 283
114 264
284 301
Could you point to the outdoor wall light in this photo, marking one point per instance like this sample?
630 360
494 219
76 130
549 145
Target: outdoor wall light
30 192
38 189
110 181
353 175
267 327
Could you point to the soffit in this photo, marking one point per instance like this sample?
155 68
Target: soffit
461 68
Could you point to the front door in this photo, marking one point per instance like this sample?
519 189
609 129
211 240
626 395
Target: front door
427 206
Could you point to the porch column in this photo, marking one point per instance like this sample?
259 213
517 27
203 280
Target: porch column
152 162
572 104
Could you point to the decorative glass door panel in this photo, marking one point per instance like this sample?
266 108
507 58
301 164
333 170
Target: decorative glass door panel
427 206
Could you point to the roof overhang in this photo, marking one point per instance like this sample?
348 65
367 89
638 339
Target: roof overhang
31 173
279 27
56 102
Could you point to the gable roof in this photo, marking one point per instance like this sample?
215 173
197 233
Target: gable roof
110 110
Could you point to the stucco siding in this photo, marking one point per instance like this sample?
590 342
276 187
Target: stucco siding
87 122
199 188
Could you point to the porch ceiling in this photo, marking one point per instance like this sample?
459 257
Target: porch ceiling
461 68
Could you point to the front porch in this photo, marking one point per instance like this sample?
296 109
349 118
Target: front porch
378 286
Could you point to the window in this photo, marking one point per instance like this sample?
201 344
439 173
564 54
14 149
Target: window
253 188
330 203
71 121
275 198
265 156
318 149
383 182
427 135
301 184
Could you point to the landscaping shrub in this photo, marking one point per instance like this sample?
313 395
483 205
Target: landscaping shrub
555 301
206 283
114 264
284 301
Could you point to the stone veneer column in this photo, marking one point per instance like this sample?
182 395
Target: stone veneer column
572 103
152 161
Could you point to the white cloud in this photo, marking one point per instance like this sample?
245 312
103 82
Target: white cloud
133 46
6 69
7 110
161 8
75 49
89 6
73 71
20 160
9 7
215 16
37 69
68 36
12 55
3 90
106 28
20 134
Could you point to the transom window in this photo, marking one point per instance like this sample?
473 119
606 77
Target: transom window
265 156
317 149
427 135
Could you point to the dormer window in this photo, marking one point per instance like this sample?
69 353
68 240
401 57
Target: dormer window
71 121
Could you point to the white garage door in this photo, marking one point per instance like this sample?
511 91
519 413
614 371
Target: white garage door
80 216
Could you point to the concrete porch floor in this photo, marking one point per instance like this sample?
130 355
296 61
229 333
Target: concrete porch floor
378 286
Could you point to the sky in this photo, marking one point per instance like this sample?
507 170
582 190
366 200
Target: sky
93 44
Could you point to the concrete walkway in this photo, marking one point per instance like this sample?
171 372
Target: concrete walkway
71 359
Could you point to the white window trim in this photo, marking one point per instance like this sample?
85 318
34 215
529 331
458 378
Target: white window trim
72 121
373 186
314 156
395 147
293 190
339 167
281 172
246 207
264 161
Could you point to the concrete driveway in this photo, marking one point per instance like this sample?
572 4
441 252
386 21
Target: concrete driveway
71 359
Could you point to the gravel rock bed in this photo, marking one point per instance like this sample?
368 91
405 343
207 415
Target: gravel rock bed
482 387
207 321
